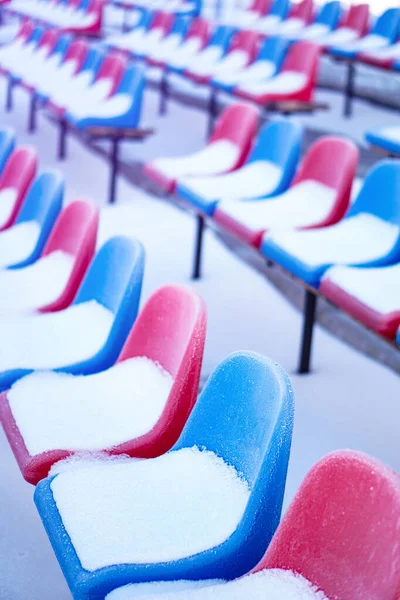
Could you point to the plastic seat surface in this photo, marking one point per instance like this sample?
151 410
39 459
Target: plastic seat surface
327 20
268 171
201 65
170 331
381 57
257 448
15 180
226 150
195 40
7 145
375 226
111 294
387 138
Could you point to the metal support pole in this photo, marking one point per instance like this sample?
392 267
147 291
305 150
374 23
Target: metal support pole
9 96
164 91
62 140
349 93
32 113
212 110
196 274
310 304
114 170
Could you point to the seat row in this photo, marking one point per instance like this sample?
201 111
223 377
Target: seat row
79 84
177 7
75 16
298 214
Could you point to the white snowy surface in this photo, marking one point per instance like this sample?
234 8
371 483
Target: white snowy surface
391 133
340 405
283 83
372 41
272 584
52 340
259 70
378 288
150 511
30 288
306 203
93 412
355 240
17 242
8 197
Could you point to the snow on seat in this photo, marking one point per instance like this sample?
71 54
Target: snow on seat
153 387
22 37
368 236
268 171
18 242
275 15
318 196
87 336
160 26
299 15
345 512
225 151
295 81
194 41
20 52
201 64
15 180
383 57
246 18
43 49
387 138
170 43
383 33
121 41
326 21
215 496
353 27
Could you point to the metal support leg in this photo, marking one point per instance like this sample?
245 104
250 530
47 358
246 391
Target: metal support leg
164 91
212 110
310 304
32 113
9 96
62 140
351 69
114 170
198 247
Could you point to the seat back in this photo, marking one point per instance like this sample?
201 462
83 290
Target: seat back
93 60
133 83
280 8
342 530
303 10
199 28
49 40
26 30
273 49
330 14
388 24
7 145
245 416
238 124
170 330
357 18
260 6
380 194
162 20
36 35
77 52
62 44
303 57
112 68
245 41
18 173
280 143
180 25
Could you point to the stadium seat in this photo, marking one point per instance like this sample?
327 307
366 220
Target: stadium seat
169 332
160 26
195 40
383 33
354 26
68 16
381 57
276 15
296 80
368 236
268 171
226 150
88 336
222 537
300 15
327 20
200 66
15 180
319 196
156 53
246 18
388 139
7 145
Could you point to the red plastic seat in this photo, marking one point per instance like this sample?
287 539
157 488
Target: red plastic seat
261 7
357 18
18 174
331 161
303 10
198 29
75 232
342 530
170 330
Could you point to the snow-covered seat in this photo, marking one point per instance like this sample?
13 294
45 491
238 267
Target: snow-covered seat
153 387
139 30
371 295
247 18
268 171
326 21
296 80
381 57
275 15
353 27
318 196
299 16
383 33
203 60
33 61
195 40
159 28
157 52
87 336
387 138
192 511
15 179
225 151
368 236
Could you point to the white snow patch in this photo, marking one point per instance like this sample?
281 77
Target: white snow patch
157 510
8 197
17 242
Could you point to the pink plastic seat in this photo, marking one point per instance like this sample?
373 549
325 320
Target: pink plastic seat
199 30
170 331
342 530
15 180
226 150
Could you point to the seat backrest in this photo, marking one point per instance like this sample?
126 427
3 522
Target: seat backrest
180 25
113 68
380 194
342 530
93 60
133 83
7 145
274 49
77 52
221 37
303 10
260 6
245 416
18 173
246 41
36 35
357 18
49 39
280 8
238 123
330 14
144 20
303 57
388 24
199 28
62 44
162 20
26 30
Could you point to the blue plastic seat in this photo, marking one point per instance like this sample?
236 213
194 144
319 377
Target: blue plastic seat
387 139
221 38
368 236
386 26
7 145
280 8
330 14
244 416
113 280
278 146
42 204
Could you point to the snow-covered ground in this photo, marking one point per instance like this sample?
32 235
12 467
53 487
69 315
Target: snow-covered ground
349 401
